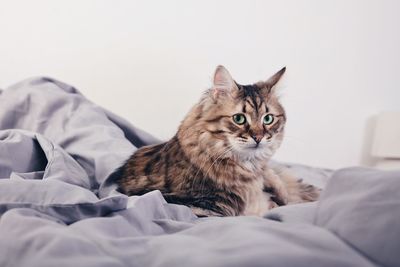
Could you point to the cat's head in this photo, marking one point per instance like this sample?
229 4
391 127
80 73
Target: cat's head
233 120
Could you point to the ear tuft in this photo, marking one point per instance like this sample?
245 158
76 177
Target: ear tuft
271 82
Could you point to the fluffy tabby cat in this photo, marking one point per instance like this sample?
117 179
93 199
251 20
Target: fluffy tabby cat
217 163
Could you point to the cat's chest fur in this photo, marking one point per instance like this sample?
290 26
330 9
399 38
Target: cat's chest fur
245 178
257 202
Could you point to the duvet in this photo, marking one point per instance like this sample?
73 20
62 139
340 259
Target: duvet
59 205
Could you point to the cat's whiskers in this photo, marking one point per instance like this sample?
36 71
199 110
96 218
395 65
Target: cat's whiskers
221 159
200 167
203 181
229 149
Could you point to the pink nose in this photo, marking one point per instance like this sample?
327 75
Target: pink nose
257 137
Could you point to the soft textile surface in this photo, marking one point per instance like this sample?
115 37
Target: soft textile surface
58 206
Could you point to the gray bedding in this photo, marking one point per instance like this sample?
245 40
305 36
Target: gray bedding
59 207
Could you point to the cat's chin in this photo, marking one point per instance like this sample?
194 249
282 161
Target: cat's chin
254 153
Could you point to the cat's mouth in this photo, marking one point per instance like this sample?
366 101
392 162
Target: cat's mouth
254 146
250 149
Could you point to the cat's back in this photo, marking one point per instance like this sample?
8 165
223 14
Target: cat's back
144 160
162 166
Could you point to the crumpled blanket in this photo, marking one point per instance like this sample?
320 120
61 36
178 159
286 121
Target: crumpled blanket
59 207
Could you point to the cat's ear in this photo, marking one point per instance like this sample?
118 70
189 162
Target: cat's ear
222 78
223 82
274 79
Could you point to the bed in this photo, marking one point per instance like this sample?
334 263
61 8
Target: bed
59 206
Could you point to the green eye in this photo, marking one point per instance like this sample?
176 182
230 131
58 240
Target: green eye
268 119
239 119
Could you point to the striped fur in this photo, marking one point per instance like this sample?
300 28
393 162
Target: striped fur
215 165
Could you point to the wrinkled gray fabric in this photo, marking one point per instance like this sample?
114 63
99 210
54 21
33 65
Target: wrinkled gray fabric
58 206
366 212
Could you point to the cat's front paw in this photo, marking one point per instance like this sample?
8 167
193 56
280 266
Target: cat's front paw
280 197
308 192
273 205
298 191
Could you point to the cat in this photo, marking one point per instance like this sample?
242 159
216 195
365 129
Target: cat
217 163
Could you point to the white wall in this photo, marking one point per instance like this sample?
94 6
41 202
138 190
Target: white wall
149 61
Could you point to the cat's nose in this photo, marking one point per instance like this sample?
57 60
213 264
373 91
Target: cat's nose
257 137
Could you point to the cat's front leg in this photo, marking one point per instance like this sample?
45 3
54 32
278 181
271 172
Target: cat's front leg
276 187
298 191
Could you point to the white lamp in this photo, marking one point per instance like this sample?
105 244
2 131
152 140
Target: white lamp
386 140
